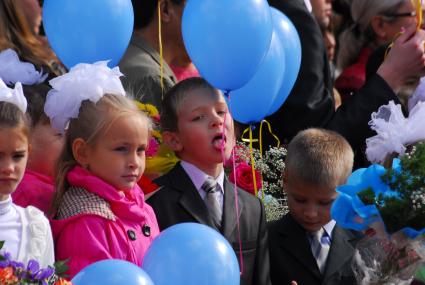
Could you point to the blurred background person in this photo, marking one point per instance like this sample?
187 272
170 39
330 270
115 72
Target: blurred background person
17 33
376 23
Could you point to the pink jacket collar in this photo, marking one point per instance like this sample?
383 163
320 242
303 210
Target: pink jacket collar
126 205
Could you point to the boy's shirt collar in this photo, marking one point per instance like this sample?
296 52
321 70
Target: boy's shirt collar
198 177
329 227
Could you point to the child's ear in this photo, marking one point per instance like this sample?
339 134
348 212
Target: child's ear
80 151
166 10
172 140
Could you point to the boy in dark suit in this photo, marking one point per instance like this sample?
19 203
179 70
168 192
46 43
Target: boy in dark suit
197 125
306 246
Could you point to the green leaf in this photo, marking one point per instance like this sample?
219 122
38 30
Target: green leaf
61 267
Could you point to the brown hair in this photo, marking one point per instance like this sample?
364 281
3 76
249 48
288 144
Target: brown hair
16 34
172 99
319 157
93 121
12 117
36 97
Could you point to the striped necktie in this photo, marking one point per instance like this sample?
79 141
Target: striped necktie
212 189
320 248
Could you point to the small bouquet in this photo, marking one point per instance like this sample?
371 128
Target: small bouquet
16 273
159 158
268 173
392 202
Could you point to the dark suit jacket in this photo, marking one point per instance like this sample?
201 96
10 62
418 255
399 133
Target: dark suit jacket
311 103
178 201
291 257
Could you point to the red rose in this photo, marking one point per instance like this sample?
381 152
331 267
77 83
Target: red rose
244 178
147 185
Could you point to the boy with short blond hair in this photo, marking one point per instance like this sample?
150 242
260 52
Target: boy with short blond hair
197 125
306 246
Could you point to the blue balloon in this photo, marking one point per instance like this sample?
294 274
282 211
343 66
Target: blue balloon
81 31
227 40
251 103
292 45
112 272
191 254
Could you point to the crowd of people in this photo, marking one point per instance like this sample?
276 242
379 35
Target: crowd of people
73 146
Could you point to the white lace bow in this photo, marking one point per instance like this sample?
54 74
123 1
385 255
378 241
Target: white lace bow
82 82
13 70
14 96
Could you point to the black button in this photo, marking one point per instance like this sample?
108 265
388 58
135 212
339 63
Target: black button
146 230
131 234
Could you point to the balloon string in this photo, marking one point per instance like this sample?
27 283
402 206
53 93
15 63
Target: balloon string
419 19
251 154
270 131
419 16
161 58
235 190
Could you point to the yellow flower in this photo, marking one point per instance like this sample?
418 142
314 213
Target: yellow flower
149 109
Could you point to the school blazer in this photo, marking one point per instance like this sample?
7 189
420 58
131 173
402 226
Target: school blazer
291 257
178 201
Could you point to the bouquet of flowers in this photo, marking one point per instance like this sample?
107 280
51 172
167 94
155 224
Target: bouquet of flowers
392 202
159 158
16 273
268 173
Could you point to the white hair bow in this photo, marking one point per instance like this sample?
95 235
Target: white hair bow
14 96
83 82
13 70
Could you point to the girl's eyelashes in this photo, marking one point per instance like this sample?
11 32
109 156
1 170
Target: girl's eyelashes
125 149
18 156
120 148
197 118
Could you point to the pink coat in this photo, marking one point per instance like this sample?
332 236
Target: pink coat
89 237
35 190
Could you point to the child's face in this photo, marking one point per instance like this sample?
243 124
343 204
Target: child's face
13 159
118 157
46 145
308 204
203 122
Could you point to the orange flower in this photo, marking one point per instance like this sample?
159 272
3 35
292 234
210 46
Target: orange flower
62 281
7 277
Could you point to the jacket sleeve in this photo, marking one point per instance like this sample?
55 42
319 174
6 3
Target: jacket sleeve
83 241
351 119
48 258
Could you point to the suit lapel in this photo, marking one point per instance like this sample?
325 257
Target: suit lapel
294 240
340 253
190 199
229 209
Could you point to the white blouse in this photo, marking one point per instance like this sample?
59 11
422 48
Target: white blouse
26 233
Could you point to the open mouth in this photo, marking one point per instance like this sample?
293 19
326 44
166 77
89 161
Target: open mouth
219 141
